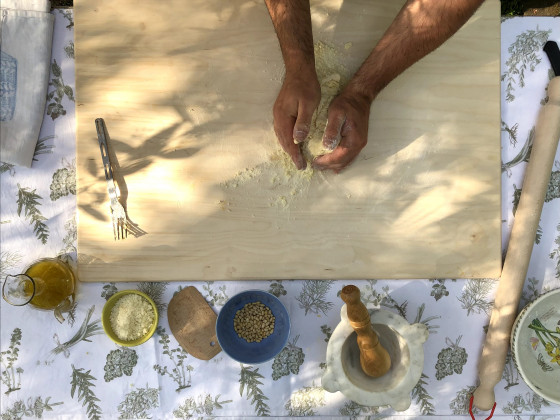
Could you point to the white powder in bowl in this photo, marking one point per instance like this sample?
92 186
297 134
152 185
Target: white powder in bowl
131 317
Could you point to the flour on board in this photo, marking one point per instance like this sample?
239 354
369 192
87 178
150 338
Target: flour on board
278 174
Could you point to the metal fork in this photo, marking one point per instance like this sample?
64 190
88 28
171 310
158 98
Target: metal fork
118 214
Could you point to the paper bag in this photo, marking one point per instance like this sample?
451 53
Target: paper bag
26 30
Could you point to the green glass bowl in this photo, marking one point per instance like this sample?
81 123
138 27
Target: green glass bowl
106 318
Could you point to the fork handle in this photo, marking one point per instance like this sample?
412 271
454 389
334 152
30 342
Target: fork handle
102 138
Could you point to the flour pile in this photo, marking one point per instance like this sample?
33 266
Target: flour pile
278 174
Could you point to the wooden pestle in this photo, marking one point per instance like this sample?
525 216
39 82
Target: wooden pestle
374 359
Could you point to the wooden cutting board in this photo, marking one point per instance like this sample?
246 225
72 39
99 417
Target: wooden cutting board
186 90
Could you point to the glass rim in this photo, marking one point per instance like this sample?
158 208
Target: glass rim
5 297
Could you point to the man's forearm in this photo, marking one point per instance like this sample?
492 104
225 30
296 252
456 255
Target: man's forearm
420 27
292 22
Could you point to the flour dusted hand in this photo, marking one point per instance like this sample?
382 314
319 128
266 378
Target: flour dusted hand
346 132
293 112
419 28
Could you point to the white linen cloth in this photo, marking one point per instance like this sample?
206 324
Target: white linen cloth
26 29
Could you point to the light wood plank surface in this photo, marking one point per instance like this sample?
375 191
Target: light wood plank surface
186 90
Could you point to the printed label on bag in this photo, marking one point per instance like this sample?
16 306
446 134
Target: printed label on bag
8 86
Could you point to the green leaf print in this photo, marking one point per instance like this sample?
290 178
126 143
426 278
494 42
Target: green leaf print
522 156
530 402
371 296
64 181
42 148
277 289
523 57
69 50
55 108
420 394
86 330
11 376
56 70
555 254
303 402
451 359
109 290
213 297
69 17
249 379
313 296
34 407
438 289
354 410
7 167
83 382
27 200
552 191
426 321
460 404
203 405
530 292
474 297
288 360
70 239
120 362
138 402
510 375
325 329
391 303
156 291
180 372
512 132
8 260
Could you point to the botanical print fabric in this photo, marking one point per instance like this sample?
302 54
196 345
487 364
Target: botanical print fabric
73 371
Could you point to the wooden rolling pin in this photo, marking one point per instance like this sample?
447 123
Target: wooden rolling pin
510 287
374 359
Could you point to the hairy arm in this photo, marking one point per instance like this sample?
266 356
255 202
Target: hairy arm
292 22
420 27
300 93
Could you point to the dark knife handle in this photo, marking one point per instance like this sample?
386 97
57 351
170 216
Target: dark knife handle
553 53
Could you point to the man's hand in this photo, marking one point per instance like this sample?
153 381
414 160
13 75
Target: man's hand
346 131
419 28
300 93
293 110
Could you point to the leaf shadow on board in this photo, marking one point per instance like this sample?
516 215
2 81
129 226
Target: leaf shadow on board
95 201
398 163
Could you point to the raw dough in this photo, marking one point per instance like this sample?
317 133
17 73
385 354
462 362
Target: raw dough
279 173
332 75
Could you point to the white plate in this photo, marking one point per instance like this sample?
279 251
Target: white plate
538 365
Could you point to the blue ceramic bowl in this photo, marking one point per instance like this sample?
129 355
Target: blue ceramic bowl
238 348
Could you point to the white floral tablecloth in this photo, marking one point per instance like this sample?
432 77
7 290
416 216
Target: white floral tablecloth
72 370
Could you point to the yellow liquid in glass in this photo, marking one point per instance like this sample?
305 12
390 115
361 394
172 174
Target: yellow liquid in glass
54 282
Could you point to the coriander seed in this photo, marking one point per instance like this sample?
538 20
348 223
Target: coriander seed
254 322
